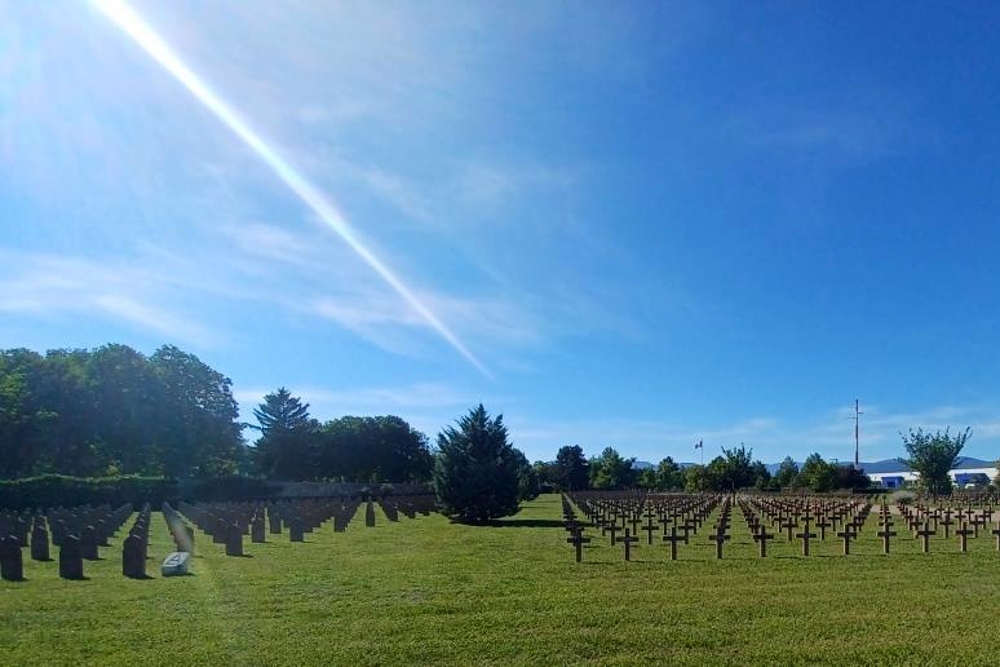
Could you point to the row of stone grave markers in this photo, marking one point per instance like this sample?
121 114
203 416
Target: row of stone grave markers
79 533
227 523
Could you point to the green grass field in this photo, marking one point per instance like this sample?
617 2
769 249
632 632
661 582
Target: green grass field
425 591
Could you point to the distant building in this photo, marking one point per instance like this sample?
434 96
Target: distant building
961 475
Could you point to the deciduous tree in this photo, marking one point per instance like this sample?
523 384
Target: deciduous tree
933 455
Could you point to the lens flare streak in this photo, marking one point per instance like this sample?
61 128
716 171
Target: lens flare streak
133 25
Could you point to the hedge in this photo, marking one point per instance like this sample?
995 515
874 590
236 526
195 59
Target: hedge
54 490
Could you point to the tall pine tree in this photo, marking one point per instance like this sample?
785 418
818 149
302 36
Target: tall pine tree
477 472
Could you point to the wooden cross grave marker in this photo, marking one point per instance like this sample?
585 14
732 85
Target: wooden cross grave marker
925 535
885 534
847 534
823 524
805 536
578 540
650 528
627 540
673 538
963 537
719 538
761 538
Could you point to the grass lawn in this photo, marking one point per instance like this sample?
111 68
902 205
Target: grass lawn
425 591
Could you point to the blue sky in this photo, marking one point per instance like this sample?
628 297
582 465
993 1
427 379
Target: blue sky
630 225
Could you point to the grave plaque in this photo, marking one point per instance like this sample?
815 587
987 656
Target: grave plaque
176 564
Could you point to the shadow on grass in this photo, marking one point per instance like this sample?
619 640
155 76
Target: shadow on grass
526 523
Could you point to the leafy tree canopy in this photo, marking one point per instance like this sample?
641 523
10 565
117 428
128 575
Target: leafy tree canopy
933 455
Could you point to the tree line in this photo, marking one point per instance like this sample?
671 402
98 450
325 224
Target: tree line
114 411
733 470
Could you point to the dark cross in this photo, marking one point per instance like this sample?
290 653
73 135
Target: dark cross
925 535
578 540
719 538
996 531
848 535
761 538
946 522
673 538
612 528
627 540
686 527
963 537
823 524
885 534
650 528
788 526
805 536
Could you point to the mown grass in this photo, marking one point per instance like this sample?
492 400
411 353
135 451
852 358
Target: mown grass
425 591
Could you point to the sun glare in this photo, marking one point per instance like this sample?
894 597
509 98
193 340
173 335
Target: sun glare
133 25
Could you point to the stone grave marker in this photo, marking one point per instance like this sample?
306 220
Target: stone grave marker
134 557
70 559
39 543
257 529
11 559
295 532
88 543
234 540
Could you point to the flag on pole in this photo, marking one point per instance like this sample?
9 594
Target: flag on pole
698 445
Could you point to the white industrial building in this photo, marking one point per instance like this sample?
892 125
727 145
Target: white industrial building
960 475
